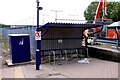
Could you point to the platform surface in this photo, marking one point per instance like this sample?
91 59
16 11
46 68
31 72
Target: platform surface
108 47
95 69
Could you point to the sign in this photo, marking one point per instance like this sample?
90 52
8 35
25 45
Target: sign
37 35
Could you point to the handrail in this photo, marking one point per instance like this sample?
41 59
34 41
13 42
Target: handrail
95 32
117 37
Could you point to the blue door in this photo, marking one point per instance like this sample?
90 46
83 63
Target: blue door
20 48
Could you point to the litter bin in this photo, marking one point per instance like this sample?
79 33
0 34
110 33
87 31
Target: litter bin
20 47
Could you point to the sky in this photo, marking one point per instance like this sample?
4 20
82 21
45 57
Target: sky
23 12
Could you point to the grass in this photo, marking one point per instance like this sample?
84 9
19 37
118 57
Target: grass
5 49
5 45
4 39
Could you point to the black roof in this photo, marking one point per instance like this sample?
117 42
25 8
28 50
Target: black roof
71 25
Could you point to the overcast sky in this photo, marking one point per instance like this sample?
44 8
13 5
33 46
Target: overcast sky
24 11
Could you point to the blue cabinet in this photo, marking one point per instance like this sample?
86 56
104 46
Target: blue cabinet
20 48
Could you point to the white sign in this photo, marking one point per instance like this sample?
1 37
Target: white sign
37 35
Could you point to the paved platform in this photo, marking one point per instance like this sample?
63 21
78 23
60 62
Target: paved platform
105 51
107 47
95 69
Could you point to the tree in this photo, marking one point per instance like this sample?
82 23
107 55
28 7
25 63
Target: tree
113 11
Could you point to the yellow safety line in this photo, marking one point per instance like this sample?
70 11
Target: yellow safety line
18 73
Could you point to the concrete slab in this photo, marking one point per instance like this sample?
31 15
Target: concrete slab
30 72
9 62
7 72
95 69
107 47
106 52
18 72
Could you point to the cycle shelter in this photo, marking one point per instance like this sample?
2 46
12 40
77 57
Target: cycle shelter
62 38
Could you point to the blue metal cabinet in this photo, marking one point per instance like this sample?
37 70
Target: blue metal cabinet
20 48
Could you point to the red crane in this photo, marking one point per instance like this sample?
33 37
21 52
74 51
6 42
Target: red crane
101 6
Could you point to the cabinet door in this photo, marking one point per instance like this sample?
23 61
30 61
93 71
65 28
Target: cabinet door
20 49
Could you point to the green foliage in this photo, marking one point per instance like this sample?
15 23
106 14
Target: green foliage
113 11
89 13
5 45
4 39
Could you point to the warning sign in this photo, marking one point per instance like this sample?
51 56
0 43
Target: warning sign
37 35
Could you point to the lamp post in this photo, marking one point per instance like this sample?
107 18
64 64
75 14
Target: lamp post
38 48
